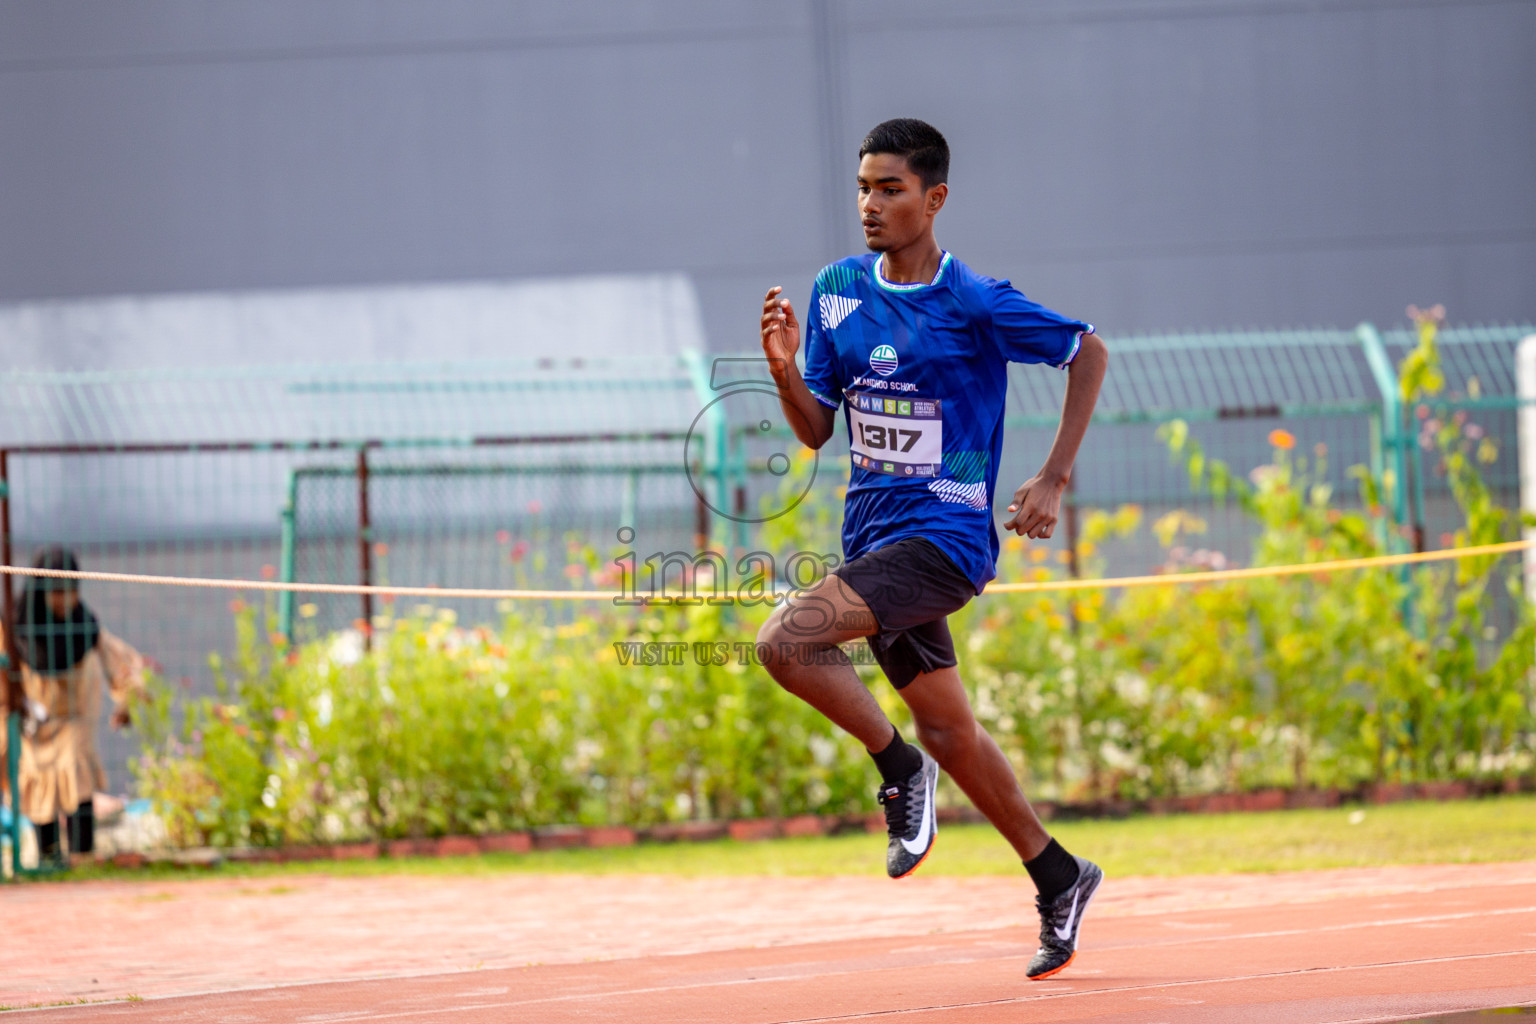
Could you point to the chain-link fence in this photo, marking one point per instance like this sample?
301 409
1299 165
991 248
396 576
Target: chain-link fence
479 473
535 473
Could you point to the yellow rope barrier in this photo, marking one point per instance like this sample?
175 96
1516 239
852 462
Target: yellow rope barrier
1254 572
1106 583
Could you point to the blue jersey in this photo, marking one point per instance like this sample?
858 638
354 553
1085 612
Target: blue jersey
921 371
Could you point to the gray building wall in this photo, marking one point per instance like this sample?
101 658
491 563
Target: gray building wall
1143 163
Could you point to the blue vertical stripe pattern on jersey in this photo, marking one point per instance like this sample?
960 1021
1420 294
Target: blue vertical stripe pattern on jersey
946 342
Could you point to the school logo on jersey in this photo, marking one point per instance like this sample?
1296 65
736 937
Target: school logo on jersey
835 309
883 360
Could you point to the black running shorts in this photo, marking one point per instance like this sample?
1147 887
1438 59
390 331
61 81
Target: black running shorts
910 586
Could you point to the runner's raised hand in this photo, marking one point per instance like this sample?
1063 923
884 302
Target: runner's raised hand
781 329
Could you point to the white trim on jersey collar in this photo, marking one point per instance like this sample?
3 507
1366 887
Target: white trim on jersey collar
891 286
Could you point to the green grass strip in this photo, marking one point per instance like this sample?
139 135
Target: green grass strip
1473 831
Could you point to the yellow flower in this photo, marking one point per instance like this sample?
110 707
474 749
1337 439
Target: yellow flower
309 611
1282 439
1038 554
1014 543
1056 622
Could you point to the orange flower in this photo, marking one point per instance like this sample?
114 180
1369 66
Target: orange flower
1282 439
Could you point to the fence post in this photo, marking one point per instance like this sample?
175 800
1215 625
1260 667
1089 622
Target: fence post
287 557
13 779
713 444
1525 389
1395 436
1391 417
364 544
13 693
629 504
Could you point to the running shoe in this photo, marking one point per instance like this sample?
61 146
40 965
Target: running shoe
1060 920
909 818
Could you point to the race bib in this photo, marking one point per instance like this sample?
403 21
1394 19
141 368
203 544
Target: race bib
896 436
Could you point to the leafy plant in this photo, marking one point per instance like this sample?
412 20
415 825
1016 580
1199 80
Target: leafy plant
1329 679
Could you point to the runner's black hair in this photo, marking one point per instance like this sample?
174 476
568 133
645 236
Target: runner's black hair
920 142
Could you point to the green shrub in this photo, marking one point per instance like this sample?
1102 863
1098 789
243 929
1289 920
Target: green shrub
1325 680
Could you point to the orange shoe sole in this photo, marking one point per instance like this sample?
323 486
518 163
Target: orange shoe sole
1056 971
913 869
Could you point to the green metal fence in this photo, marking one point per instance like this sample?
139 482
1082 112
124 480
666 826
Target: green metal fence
252 474
523 473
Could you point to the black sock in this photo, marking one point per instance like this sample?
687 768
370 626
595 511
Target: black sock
899 761
82 828
1053 870
48 839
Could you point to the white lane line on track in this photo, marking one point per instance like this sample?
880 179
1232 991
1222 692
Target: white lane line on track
791 977
944 1008
739 982
1397 1018
1350 926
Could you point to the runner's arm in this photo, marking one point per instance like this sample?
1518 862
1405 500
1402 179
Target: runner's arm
811 420
1037 503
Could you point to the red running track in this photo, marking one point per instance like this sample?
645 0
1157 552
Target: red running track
1336 946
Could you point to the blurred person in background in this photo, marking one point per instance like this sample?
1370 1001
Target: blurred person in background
67 662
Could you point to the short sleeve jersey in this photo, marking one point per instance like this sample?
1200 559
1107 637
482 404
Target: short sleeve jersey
921 373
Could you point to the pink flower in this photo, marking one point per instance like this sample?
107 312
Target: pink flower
269 572
503 536
535 507
519 550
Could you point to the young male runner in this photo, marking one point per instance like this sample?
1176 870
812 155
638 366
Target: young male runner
914 345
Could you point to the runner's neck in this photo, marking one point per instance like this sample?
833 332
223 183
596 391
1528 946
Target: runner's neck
911 266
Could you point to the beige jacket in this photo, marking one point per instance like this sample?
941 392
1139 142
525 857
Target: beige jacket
59 763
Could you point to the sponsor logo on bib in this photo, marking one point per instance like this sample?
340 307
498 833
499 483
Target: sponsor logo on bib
883 360
895 437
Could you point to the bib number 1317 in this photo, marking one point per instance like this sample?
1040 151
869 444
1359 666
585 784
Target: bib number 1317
895 439
896 436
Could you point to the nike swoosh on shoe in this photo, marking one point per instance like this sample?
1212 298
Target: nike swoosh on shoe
924 833
1065 934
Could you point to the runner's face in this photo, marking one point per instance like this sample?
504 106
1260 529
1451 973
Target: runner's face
895 208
